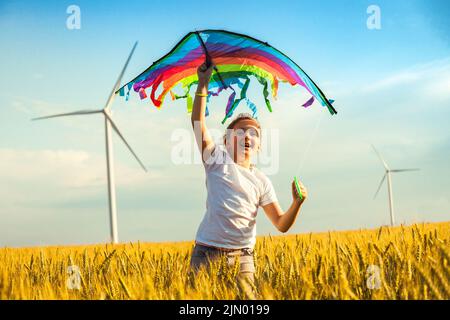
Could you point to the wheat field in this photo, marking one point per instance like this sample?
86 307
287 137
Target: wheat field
410 262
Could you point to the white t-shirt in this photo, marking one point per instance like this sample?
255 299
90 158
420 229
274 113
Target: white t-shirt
234 195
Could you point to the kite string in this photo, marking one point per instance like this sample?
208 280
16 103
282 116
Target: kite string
311 138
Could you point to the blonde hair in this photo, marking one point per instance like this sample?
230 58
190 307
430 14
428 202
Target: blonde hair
232 124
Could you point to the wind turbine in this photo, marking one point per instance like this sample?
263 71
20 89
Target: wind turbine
109 123
389 183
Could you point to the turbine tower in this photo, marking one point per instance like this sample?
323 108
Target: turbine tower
387 174
109 124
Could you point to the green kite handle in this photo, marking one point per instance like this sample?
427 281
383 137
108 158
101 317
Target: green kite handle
298 188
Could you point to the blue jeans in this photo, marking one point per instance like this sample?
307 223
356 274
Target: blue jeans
202 255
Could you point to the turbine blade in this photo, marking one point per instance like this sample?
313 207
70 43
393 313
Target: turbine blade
80 112
379 186
381 158
117 84
116 129
403 170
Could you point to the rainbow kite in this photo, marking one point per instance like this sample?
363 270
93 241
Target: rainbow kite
237 57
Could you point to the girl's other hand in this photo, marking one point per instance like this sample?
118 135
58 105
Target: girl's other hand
295 194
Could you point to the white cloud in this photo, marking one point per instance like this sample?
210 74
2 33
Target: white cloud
38 107
404 77
433 77
440 87
34 170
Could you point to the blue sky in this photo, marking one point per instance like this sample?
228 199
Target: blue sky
391 86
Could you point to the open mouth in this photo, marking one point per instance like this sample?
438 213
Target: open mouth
246 145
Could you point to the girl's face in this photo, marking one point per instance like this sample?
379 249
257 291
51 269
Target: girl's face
245 136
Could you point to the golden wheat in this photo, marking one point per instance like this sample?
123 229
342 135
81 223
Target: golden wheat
387 263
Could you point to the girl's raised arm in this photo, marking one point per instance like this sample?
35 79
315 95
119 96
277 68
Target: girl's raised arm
204 141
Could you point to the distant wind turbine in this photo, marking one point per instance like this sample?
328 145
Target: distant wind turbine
389 183
106 111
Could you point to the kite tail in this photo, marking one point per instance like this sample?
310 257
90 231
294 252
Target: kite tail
264 82
252 107
230 105
142 93
189 100
189 103
274 87
128 91
233 103
309 102
330 107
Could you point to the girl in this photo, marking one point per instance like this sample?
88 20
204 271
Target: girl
235 189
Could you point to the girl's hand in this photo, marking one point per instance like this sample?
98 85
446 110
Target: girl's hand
204 74
296 196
